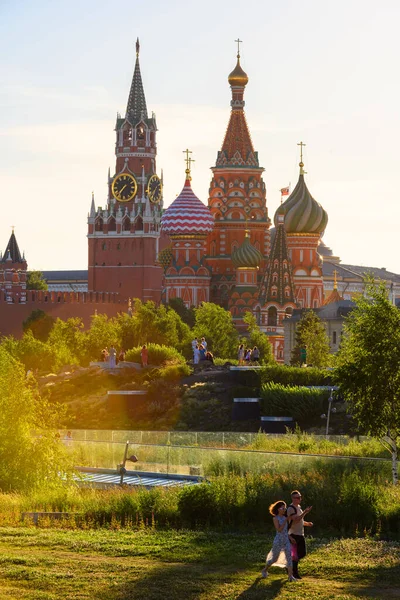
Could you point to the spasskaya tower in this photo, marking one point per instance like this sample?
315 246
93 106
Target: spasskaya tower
124 236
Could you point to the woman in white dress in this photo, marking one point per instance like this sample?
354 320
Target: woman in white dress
280 554
196 355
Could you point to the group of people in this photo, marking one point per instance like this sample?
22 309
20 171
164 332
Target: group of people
289 545
248 356
110 355
200 351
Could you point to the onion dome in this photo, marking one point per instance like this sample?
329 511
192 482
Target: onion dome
164 257
238 77
187 215
247 255
302 213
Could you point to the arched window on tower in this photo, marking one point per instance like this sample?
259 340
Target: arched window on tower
126 223
139 224
213 248
98 226
112 226
272 319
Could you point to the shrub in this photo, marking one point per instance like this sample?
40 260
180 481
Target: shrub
304 405
296 375
158 355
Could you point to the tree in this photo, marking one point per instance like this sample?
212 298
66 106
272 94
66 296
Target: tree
39 323
31 456
259 339
186 314
368 367
311 336
216 325
153 324
36 281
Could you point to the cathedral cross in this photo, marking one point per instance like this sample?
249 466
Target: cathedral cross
301 144
189 160
238 43
335 279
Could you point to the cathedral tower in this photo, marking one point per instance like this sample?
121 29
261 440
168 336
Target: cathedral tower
187 221
237 195
305 221
124 237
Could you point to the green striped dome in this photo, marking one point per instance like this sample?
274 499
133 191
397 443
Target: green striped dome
246 255
302 213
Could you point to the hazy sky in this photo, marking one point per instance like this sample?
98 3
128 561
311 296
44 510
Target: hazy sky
319 71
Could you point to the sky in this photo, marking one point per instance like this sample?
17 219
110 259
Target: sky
322 72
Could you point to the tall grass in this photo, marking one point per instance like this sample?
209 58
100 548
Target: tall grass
345 502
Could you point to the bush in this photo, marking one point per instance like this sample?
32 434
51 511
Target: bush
296 375
158 355
304 405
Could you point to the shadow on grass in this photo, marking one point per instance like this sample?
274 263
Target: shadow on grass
190 582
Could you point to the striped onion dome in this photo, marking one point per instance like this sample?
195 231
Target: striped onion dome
302 213
187 215
247 255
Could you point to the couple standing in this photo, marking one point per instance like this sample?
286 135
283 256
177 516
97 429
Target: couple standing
289 545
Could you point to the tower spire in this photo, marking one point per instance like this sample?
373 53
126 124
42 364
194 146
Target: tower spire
136 108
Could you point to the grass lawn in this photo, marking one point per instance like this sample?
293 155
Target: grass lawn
44 564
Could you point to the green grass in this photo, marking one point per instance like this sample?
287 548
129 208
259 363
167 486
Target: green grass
123 564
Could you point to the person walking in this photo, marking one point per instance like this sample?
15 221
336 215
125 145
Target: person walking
196 355
204 343
113 357
281 552
241 354
144 354
194 344
296 524
255 355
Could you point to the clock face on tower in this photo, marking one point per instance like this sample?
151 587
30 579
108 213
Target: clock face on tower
124 187
154 189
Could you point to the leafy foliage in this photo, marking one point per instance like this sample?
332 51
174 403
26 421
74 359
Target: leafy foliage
303 404
36 281
186 314
311 335
158 355
40 323
216 325
368 366
27 461
296 375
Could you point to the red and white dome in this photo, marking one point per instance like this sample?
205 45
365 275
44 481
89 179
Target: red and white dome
187 215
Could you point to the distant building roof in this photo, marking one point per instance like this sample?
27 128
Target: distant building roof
65 276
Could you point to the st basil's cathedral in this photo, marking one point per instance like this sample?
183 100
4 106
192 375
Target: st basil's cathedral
228 251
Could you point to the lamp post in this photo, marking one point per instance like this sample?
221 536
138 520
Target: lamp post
327 417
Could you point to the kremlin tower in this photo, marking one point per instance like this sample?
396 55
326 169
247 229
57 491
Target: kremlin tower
305 221
237 196
124 237
13 273
187 221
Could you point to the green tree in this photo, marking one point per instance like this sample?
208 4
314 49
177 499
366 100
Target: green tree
103 333
155 324
40 323
67 341
34 354
257 338
36 281
368 367
216 325
31 455
311 336
186 314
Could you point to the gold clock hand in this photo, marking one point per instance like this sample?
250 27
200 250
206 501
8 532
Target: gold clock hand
122 189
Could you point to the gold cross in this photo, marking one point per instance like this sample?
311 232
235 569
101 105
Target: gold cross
301 144
238 43
188 159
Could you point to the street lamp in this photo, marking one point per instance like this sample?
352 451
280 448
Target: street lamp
330 409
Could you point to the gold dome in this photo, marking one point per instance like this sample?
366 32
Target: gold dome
238 76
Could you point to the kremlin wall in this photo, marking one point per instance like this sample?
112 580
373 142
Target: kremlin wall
229 251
